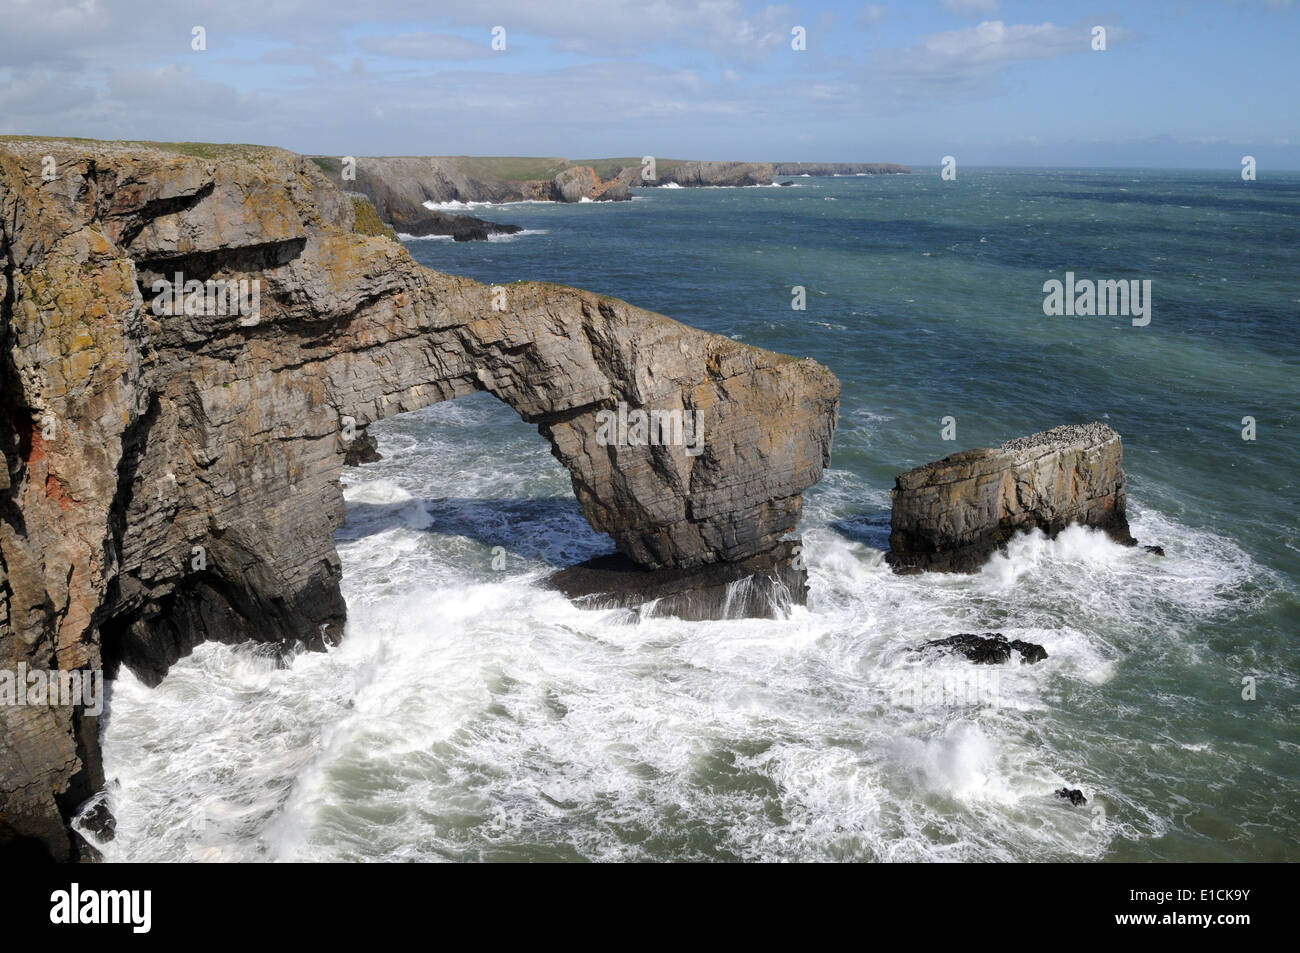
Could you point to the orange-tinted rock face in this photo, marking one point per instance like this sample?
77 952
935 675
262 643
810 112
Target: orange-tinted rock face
171 463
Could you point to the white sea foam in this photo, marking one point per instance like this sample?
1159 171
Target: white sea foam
458 206
503 237
469 713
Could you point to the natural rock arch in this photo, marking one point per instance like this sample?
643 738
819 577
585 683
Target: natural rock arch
188 485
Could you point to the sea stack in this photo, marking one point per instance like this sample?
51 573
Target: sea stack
951 515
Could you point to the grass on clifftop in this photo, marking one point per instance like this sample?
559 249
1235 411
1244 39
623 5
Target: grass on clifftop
608 168
368 220
202 150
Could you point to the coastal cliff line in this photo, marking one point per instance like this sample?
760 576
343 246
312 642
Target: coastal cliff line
171 473
402 188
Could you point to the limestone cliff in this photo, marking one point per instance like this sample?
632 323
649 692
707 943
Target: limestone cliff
693 173
400 185
171 463
951 515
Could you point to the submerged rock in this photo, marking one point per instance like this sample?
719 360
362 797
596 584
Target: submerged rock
1073 795
991 648
99 820
950 516
760 587
363 449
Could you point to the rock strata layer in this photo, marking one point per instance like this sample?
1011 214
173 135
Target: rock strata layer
171 474
949 516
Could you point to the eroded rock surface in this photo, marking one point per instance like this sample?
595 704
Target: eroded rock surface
169 478
949 516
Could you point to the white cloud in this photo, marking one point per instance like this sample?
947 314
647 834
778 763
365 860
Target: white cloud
995 42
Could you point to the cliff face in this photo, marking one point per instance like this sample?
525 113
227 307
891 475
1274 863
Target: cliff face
400 185
951 515
693 174
171 469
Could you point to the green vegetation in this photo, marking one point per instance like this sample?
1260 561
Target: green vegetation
202 150
608 168
510 168
368 220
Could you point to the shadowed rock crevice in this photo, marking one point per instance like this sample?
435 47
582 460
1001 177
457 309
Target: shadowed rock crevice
184 485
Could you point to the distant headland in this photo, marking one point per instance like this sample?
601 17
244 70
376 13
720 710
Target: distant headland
408 190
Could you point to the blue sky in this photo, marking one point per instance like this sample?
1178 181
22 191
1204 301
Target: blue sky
1196 83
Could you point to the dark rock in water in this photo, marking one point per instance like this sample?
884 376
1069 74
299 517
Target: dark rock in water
462 228
363 449
785 183
1073 795
991 648
1030 652
950 516
100 821
760 587
1155 550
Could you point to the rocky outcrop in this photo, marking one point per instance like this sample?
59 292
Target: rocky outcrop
764 586
582 182
399 187
840 168
364 448
951 515
171 467
991 648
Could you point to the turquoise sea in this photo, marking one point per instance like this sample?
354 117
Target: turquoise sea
471 715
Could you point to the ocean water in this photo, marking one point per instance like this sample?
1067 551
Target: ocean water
470 715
